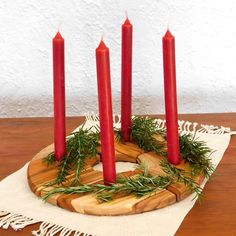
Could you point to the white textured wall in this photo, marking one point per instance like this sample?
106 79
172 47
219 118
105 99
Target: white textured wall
205 34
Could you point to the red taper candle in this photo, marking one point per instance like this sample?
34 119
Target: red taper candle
126 80
59 97
171 98
105 112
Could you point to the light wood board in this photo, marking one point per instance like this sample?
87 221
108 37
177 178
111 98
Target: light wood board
40 173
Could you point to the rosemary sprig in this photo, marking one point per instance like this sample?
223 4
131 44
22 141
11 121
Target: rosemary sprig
139 186
197 154
118 135
81 145
69 190
181 176
50 159
143 131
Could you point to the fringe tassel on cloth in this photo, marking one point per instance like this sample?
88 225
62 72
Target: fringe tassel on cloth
18 222
46 229
185 127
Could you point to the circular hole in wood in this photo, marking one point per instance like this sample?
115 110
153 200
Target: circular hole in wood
120 166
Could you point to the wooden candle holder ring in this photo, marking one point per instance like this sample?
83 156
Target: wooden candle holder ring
39 173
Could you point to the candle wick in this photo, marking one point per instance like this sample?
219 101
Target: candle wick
103 36
59 26
126 14
168 25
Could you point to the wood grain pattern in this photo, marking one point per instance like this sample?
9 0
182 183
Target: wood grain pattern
39 174
21 138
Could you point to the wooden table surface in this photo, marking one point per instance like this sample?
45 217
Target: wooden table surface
22 138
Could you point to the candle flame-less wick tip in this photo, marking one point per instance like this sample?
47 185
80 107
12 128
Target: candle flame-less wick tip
58 35
103 36
59 26
127 22
168 34
102 45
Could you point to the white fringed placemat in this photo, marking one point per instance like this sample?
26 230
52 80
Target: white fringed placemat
29 209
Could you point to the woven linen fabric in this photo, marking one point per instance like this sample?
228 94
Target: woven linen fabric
19 207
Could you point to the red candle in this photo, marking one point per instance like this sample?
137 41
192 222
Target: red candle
168 42
59 97
106 115
126 80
